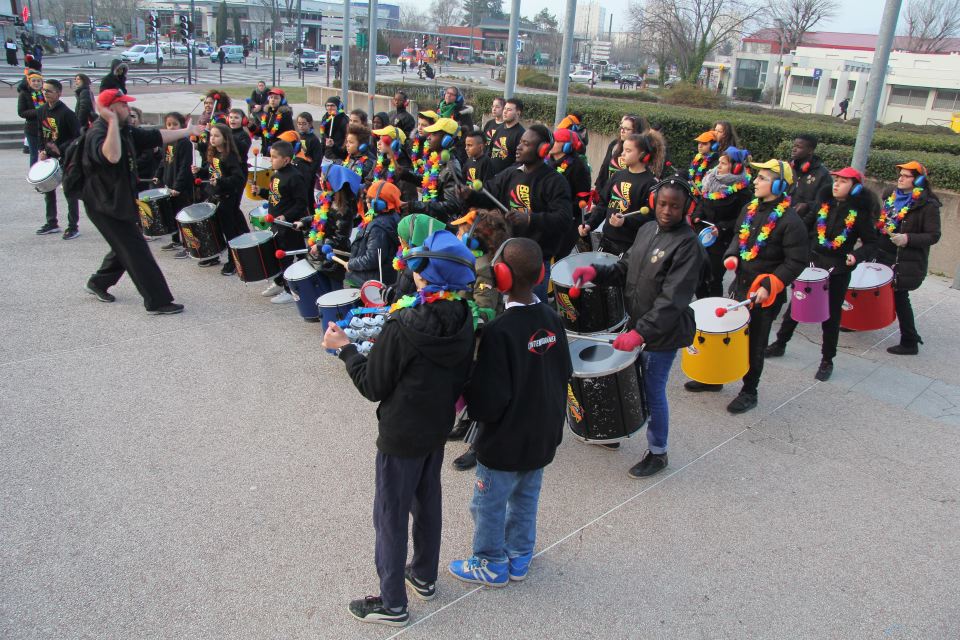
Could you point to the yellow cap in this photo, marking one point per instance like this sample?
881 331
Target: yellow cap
777 166
392 132
447 125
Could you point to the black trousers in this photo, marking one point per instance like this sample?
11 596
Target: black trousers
908 326
831 326
73 210
761 321
232 223
713 287
289 240
407 486
129 253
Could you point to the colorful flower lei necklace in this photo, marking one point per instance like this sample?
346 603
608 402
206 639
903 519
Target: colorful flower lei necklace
400 260
406 302
887 223
431 173
698 167
729 190
837 242
765 231
320 215
38 100
564 164
416 148
378 169
354 164
272 131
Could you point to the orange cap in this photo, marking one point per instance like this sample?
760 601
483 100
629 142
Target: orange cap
913 165
706 136
290 136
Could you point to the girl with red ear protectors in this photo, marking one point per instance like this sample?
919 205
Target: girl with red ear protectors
659 274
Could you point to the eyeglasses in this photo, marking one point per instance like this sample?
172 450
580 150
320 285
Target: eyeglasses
906 176
53 91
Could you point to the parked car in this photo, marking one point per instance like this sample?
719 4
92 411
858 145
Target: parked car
142 54
610 73
382 60
672 80
204 50
234 53
118 41
581 76
629 79
310 60
335 56
322 58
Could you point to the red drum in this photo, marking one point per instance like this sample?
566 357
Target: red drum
255 256
869 302
199 230
811 296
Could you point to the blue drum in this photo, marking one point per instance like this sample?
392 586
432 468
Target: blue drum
335 306
306 285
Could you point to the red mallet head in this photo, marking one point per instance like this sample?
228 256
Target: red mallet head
721 311
280 254
583 204
575 289
730 263
255 151
268 218
197 181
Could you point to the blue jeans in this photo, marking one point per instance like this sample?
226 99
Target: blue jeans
541 289
656 370
33 144
504 510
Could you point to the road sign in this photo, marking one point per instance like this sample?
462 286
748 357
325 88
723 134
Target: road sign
817 73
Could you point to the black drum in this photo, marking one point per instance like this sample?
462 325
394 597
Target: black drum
255 256
156 210
605 400
199 231
598 309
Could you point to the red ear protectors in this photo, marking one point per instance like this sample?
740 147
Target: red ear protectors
544 150
244 122
803 168
691 201
503 273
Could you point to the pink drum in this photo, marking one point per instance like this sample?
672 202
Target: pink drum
811 296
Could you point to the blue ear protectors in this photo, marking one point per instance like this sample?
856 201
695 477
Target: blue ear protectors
395 144
779 186
857 189
296 147
468 239
920 181
715 146
364 147
447 141
378 204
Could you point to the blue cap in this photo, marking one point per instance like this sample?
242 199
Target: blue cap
338 175
449 275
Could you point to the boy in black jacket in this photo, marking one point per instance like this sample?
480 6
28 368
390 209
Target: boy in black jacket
416 371
58 127
810 177
478 165
518 392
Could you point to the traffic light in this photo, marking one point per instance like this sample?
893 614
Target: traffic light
151 24
184 30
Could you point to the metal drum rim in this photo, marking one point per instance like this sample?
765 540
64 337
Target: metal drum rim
603 372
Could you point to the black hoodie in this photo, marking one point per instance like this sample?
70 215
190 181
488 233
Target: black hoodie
58 127
112 80
84 108
416 371
25 108
807 185
862 230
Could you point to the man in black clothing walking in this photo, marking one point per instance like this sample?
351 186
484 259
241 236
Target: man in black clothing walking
810 177
110 197
58 127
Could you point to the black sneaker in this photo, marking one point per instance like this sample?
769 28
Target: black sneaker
181 254
101 294
460 430
650 464
209 262
48 229
697 387
904 350
422 589
742 403
170 246
825 371
371 609
70 234
775 349
166 310
465 462
228 269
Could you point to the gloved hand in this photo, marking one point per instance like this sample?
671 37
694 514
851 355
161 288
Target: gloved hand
416 207
628 341
584 274
731 263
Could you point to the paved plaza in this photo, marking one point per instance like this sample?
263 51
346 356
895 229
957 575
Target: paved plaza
210 475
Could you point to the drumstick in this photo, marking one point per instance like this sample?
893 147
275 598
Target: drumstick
476 185
722 311
269 219
642 211
575 289
256 163
281 254
593 338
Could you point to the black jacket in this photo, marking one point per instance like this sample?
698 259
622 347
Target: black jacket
503 146
922 226
283 116
336 128
807 186
863 230
380 234
113 81
84 107
544 192
312 147
362 161
231 178
241 137
416 370
622 193
609 166
518 389
25 108
287 195
577 175
111 189
724 212
786 253
336 234
478 169
447 206
257 98
659 275
58 128
403 120
174 171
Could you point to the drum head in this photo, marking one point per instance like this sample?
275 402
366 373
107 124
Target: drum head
870 275
42 169
154 194
594 359
299 270
371 293
705 312
247 240
196 212
813 274
562 272
339 298
259 163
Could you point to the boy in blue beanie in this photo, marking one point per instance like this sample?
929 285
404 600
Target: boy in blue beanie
518 393
416 370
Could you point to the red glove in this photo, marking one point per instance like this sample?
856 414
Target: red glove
584 274
731 263
628 341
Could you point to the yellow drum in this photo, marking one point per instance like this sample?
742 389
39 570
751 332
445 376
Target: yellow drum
258 170
720 352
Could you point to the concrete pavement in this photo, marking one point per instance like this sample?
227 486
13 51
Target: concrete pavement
209 475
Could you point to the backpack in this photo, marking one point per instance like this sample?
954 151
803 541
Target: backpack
73 174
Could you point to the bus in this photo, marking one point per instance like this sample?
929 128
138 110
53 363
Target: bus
103 36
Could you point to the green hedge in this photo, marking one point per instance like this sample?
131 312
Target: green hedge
944 169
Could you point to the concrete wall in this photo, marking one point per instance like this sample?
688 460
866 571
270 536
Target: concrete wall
358 100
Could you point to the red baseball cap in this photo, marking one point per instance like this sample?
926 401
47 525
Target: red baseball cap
277 92
566 135
111 96
848 172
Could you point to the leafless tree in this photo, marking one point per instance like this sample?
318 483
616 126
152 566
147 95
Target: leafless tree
930 23
413 17
445 12
793 19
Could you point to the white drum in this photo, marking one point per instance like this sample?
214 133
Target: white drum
45 175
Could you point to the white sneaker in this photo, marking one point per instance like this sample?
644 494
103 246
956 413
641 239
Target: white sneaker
282 298
272 290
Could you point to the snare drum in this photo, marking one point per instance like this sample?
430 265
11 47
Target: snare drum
373 293
199 231
256 217
45 175
811 296
869 305
258 169
255 256
605 399
156 210
720 352
306 285
599 308
335 306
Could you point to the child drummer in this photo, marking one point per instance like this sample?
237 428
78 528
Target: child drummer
659 274
770 250
843 216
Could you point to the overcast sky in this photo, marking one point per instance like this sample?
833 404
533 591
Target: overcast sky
853 16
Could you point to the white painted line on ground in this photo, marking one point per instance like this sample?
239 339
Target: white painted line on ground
893 333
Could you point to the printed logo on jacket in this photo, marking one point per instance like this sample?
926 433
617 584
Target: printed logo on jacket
541 341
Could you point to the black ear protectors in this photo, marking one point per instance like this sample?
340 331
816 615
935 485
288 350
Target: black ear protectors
680 184
419 258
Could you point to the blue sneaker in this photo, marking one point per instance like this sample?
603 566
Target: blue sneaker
519 567
490 574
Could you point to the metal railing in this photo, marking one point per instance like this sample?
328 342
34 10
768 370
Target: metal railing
801 107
